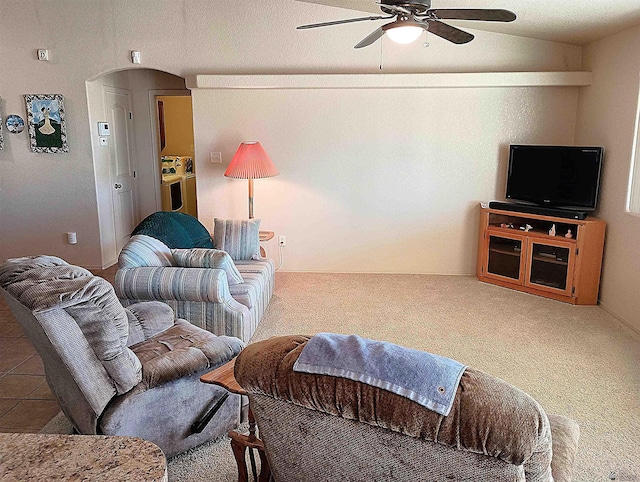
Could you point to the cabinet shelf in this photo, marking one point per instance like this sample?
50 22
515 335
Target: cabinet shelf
565 268
533 232
546 259
505 251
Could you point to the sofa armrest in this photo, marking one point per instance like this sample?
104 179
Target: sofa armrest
147 319
172 283
208 258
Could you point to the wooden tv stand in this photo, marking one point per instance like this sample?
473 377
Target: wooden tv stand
532 260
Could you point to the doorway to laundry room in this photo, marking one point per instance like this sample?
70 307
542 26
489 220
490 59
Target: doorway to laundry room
175 147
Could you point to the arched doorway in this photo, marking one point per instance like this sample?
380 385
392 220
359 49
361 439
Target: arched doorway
137 127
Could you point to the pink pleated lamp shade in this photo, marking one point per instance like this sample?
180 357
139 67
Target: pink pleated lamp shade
251 162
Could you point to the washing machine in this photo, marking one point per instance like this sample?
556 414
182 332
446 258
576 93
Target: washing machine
173 192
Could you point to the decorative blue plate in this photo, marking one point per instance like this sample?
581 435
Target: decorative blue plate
15 124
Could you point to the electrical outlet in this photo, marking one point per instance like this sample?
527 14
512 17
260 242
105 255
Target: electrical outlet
43 54
282 241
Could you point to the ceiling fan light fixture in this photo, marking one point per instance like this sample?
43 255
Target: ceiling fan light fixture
404 34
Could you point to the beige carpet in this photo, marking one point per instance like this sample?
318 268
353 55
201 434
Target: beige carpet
576 361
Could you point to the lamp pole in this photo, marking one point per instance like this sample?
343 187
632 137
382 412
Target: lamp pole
250 198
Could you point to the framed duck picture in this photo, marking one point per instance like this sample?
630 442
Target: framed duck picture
46 123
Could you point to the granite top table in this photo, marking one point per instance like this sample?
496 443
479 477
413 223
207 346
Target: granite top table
26 456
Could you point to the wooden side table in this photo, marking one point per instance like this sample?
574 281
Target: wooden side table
224 377
265 236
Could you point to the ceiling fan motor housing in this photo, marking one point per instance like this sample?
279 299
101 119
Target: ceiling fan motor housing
416 7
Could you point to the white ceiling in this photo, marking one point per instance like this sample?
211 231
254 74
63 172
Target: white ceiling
576 22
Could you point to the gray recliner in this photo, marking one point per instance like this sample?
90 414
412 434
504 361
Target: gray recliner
120 371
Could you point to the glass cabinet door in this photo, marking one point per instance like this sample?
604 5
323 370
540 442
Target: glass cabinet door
550 266
504 257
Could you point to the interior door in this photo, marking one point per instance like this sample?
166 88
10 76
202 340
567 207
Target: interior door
122 163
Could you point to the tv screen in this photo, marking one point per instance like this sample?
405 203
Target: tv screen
563 177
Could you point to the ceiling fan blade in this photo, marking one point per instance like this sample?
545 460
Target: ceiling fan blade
447 32
489 15
369 39
338 22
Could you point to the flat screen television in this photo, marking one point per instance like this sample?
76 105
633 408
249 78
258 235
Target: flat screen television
560 177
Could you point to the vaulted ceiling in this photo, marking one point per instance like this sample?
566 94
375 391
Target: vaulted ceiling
576 22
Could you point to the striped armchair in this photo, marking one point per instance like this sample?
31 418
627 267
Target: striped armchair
206 287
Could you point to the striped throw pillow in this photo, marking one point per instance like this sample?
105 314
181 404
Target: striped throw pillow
208 258
238 237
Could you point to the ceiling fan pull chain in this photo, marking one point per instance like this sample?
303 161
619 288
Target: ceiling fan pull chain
381 56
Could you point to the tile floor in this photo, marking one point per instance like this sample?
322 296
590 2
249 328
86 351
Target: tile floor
26 403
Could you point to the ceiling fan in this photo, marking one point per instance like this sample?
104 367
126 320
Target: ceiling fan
412 17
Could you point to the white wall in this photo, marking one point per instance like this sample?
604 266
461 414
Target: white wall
42 196
373 180
606 116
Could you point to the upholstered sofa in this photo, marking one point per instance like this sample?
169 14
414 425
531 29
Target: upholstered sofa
222 286
318 427
119 371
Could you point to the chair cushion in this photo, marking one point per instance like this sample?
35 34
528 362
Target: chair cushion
143 250
182 350
12 271
176 230
248 292
147 319
208 258
238 237
41 284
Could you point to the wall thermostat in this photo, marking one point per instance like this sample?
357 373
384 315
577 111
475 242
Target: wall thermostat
103 129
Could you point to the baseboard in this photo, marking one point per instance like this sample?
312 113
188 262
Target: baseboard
97 267
622 320
109 263
316 271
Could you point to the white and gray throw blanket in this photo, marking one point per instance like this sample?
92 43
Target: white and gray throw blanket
427 379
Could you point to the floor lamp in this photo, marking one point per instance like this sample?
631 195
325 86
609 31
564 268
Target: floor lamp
251 162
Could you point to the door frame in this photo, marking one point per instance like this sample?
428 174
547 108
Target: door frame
153 115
